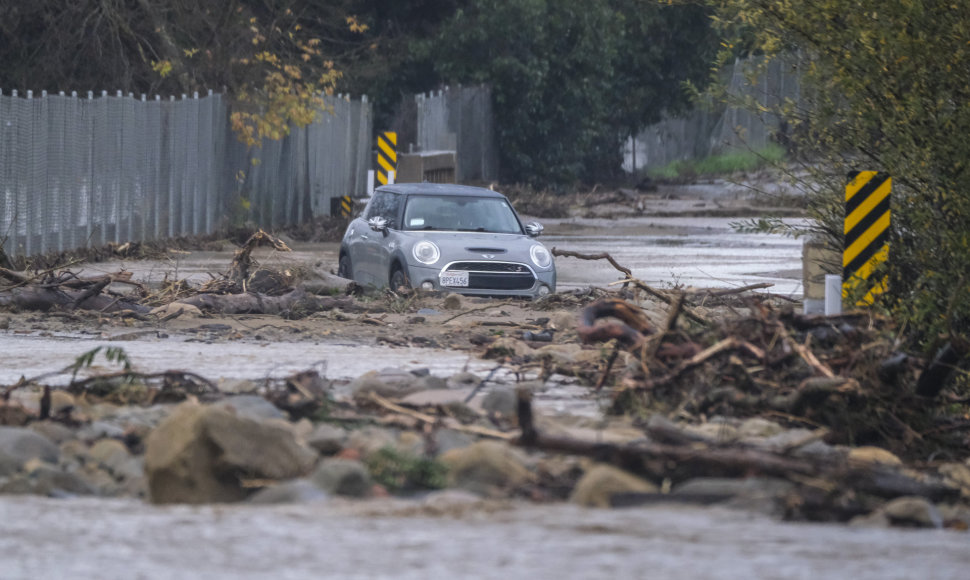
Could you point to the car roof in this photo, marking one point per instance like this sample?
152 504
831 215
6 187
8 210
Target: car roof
439 189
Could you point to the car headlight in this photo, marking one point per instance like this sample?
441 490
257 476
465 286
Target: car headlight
541 256
426 252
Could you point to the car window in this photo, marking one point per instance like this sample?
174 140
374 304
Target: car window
385 205
458 213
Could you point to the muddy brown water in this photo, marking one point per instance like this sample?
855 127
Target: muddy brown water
119 539
102 538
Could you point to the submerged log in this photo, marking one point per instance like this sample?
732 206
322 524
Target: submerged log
253 303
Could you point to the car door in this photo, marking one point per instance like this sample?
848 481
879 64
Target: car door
373 251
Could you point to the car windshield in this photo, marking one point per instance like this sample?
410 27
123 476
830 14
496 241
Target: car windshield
462 214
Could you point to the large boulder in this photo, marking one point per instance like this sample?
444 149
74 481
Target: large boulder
487 468
601 482
18 445
200 455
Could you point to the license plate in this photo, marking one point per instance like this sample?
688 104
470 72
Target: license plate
454 278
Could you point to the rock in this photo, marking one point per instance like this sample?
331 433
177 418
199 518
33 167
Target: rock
198 454
758 494
42 478
876 519
913 511
562 320
18 445
237 386
327 439
560 353
100 430
111 454
501 401
293 491
448 439
436 397
601 482
756 427
450 502
56 432
452 302
486 468
342 477
410 443
371 439
957 475
506 346
389 383
714 432
176 310
61 401
464 380
251 406
873 455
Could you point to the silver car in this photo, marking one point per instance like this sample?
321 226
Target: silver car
446 237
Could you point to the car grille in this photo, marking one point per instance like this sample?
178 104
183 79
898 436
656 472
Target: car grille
496 275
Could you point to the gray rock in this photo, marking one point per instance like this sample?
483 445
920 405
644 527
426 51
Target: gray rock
18 445
371 439
434 397
390 383
56 432
327 439
448 439
759 494
293 491
198 453
464 380
111 454
601 482
237 386
251 406
100 430
912 511
342 477
452 302
45 479
501 401
486 468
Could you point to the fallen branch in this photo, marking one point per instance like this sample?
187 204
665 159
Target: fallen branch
424 418
601 256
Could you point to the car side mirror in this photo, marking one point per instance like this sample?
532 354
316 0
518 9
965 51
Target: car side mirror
534 229
378 224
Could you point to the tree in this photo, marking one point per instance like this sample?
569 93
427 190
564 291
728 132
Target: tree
572 78
887 90
260 52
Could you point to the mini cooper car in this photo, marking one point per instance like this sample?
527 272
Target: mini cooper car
446 237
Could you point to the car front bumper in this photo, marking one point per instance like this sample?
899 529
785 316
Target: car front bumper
487 283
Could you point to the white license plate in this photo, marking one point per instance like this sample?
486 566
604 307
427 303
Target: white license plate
455 278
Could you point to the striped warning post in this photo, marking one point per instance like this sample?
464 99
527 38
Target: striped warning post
386 156
866 232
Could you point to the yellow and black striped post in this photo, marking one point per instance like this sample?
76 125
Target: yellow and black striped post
386 156
341 206
866 232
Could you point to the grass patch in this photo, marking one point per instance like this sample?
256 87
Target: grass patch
723 164
401 472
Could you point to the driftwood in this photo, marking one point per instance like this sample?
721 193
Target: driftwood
296 300
681 457
42 298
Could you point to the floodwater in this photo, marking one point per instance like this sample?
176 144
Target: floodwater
101 538
667 252
122 539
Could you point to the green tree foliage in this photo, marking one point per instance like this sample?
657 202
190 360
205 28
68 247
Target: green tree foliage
886 87
571 79
260 52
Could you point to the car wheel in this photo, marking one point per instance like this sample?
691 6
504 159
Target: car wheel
343 268
399 278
